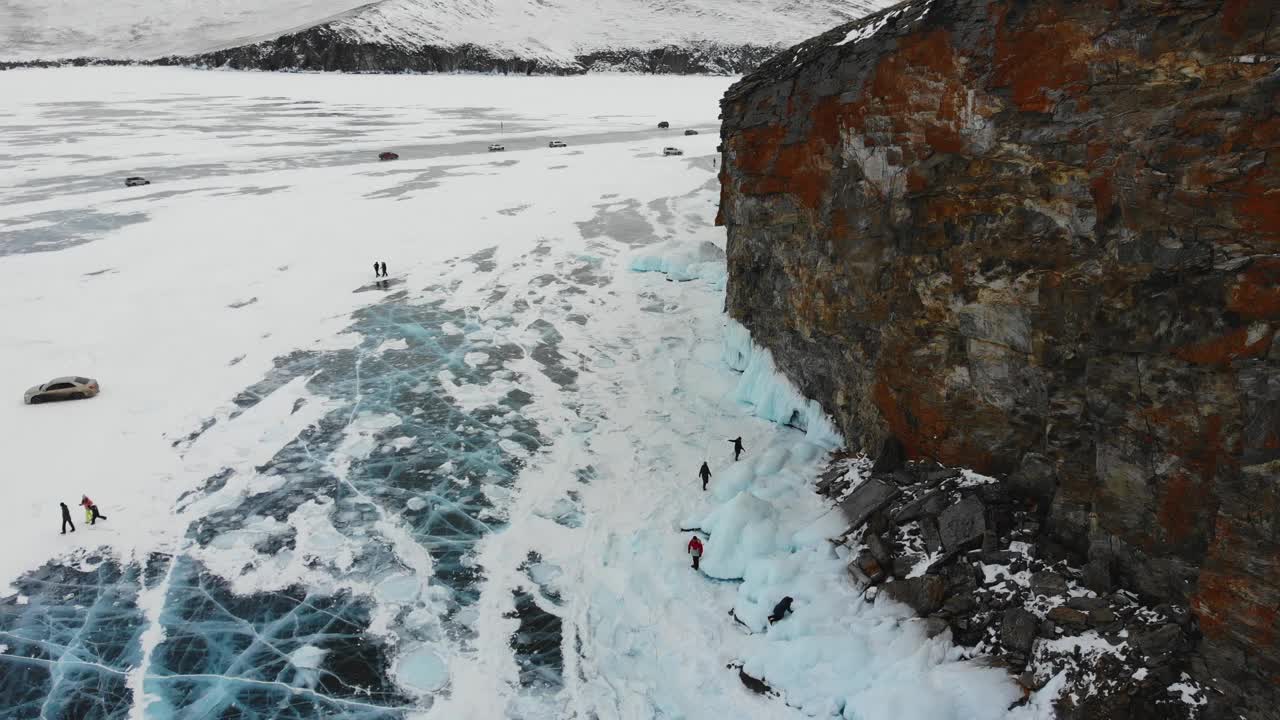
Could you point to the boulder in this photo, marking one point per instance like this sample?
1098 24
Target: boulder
962 525
1101 617
1049 583
1086 604
936 477
1035 480
869 497
892 456
1065 617
866 569
930 503
1018 630
935 626
923 594
1159 644
1096 575
930 534
879 550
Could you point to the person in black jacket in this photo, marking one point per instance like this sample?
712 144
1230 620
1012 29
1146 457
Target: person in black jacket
376 271
737 447
705 473
780 610
66 518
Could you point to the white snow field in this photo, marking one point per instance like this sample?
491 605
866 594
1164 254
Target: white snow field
457 492
552 31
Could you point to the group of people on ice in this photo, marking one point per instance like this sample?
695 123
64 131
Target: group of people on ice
91 514
695 543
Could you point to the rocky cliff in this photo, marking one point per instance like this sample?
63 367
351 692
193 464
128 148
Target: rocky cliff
1041 239
325 49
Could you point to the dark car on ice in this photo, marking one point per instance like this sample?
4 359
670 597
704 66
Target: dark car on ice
690 132
136 181
388 156
664 125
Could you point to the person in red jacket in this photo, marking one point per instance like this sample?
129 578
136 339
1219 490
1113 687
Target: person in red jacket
91 513
695 549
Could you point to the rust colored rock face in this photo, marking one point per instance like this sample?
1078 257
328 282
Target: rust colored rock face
1043 231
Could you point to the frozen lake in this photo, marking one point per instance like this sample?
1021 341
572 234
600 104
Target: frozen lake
454 492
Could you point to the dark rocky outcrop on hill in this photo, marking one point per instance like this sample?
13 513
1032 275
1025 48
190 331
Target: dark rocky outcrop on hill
1041 239
324 49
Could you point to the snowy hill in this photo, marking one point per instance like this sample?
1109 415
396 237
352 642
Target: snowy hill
390 35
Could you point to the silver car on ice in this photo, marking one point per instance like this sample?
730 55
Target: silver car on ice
62 388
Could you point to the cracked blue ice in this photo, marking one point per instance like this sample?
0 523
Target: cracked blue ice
297 653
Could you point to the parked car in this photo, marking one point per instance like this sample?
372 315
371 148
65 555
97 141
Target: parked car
556 143
672 151
496 147
664 125
388 156
62 388
690 132
136 181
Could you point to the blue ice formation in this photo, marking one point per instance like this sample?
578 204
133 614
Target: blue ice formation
684 262
770 394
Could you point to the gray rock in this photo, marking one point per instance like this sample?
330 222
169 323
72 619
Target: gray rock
1000 557
962 525
930 534
1159 644
892 456
879 550
1065 617
867 498
922 594
935 626
1085 604
869 570
903 478
936 477
1047 582
902 565
1036 480
1101 617
930 503
1018 630
1097 576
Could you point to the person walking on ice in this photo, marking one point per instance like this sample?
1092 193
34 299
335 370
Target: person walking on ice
705 473
66 518
695 550
91 514
376 271
737 447
384 268
780 610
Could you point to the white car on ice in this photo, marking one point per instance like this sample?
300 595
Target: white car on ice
672 151
497 147
556 144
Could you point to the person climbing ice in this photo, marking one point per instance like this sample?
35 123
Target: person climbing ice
780 610
695 550
91 513
705 473
737 447
66 518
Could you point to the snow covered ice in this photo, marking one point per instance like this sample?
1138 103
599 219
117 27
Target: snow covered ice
460 493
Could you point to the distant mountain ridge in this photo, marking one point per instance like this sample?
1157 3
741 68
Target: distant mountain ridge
560 36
